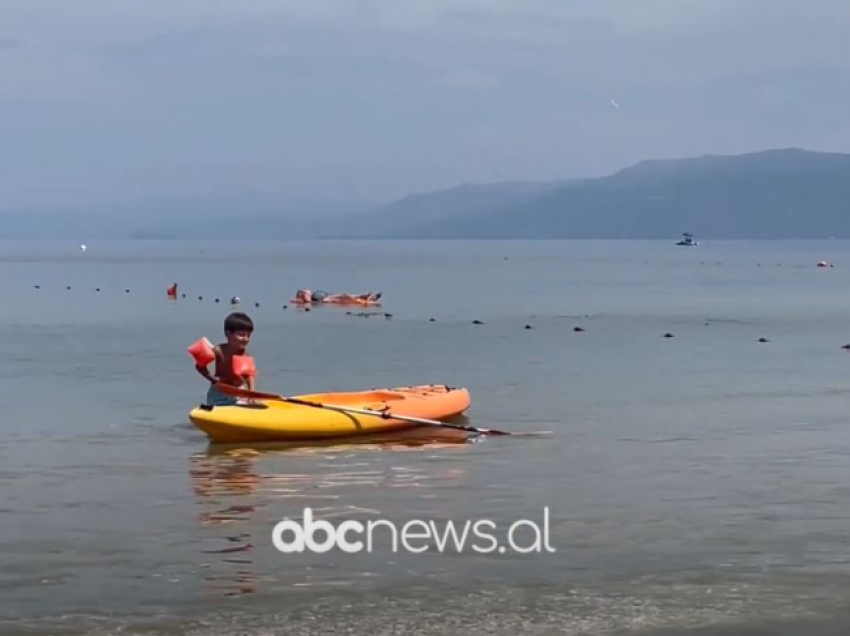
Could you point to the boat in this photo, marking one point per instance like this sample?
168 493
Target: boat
277 421
688 240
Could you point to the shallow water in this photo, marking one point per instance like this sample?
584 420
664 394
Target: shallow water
695 480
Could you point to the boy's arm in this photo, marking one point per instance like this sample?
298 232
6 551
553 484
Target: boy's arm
205 372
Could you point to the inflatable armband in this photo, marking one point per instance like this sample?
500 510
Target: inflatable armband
203 352
243 366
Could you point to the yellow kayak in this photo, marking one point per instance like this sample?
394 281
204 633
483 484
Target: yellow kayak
273 420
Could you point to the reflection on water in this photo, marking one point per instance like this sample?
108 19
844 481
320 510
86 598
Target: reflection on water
232 486
224 487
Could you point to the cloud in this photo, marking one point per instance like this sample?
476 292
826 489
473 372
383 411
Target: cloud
379 97
7 44
469 80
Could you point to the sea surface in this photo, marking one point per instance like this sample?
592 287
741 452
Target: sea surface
696 479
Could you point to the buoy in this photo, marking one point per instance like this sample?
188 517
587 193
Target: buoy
235 300
83 247
202 351
172 290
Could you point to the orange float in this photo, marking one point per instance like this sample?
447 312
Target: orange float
202 351
244 367
303 298
362 302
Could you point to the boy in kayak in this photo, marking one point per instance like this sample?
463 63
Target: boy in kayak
238 328
306 297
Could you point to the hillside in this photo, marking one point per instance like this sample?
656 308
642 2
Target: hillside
774 194
203 217
416 215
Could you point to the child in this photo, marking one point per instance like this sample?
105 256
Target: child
238 328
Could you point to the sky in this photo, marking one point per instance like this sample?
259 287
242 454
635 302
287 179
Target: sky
111 101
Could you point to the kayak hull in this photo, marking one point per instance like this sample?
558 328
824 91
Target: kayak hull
273 420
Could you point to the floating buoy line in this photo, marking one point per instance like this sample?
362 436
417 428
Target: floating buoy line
173 294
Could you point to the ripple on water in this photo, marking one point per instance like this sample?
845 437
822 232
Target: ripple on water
643 606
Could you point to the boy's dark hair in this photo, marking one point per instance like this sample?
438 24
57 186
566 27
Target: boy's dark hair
238 322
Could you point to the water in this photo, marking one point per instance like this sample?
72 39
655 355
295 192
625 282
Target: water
695 480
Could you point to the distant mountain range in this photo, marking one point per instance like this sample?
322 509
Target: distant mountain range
767 195
203 217
776 194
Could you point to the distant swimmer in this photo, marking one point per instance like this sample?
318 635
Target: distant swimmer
307 297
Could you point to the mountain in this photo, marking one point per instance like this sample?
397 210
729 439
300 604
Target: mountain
775 194
202 217
239 217
420 215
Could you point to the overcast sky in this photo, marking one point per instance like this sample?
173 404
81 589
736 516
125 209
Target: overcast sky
114 100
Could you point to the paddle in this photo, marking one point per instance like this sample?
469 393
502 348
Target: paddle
385 413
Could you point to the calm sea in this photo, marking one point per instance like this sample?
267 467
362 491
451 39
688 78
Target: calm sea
695 480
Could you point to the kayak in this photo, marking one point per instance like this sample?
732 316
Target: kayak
274 420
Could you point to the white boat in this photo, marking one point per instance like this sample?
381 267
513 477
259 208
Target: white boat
688 241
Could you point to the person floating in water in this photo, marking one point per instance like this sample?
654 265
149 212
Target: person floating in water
307 297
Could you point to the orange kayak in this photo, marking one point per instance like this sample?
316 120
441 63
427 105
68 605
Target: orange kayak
272 420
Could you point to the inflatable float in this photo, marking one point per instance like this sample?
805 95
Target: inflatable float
304 297
358 302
